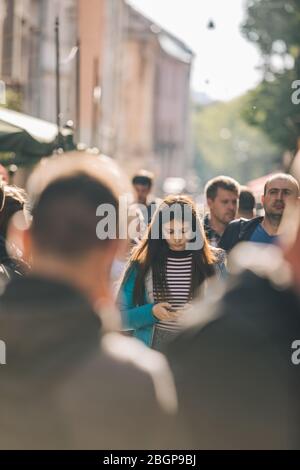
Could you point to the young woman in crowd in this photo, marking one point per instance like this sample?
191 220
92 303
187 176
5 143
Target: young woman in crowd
166 271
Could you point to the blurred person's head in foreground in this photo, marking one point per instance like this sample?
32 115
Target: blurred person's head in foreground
222 195
246 203
63 240
142 184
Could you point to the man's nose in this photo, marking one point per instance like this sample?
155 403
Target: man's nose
280 195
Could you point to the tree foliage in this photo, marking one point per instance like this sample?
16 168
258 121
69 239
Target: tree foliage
274 26
225 144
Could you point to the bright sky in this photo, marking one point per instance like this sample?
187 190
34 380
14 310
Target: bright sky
225 62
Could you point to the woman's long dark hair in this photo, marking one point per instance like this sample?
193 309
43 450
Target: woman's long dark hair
153 250
12 200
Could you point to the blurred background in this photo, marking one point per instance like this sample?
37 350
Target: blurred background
187 89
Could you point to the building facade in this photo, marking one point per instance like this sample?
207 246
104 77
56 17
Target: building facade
150 128
28 58
126 86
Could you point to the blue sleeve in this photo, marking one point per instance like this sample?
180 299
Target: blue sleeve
133 317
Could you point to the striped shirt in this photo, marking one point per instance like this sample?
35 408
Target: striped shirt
178 280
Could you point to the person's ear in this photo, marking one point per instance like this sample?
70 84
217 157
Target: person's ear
210 202
263 199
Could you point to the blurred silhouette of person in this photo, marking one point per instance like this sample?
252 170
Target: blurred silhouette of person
279 189
246 203
222 195
59 389
236 365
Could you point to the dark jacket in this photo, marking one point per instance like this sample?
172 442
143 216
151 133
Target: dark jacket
212 236
58 390
238 231
237 385
12 267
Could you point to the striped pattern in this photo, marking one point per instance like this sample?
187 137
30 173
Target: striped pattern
179 278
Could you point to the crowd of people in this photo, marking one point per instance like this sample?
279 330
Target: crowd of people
172 337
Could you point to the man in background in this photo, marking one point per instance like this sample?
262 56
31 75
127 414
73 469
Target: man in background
278 191
222 195
142 184
246 204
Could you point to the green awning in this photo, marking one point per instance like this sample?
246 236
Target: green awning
29 138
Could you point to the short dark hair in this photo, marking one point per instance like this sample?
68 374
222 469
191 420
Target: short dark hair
283 176
246 200
64 216
144 178
223 182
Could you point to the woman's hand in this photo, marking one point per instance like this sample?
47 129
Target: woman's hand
162 312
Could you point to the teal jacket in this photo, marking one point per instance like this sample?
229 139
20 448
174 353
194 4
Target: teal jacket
139 319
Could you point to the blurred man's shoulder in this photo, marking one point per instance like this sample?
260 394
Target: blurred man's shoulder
258 288
144 364
123 396
264 261
124 366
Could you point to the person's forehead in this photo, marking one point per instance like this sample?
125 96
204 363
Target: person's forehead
141 187
226 194
175 223
281 183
